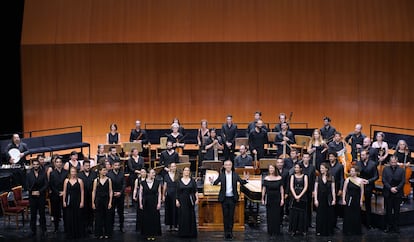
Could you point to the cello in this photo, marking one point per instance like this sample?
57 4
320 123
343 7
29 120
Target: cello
408 173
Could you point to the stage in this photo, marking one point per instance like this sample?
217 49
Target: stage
378 212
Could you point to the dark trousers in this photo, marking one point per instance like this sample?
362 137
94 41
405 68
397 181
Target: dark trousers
338 211
228 207
88 211
228 152
392 211
309 209
37 205
118 204
56 208
367 203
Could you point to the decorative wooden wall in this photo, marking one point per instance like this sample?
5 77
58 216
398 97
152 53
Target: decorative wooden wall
93 62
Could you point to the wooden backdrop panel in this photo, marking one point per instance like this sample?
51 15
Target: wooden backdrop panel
126 21
95 85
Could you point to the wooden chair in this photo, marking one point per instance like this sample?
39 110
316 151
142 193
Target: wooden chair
241 141
302 142
271 136
10 210
18 199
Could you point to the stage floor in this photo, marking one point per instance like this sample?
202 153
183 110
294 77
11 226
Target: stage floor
251 233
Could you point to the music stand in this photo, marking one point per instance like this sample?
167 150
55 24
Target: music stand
211 165
265 162
108 146
127 147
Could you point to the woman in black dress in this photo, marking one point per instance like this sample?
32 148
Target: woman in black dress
102 203
186 200
73 199
273 198
113 137
317 149
169 195
298 203
325 199
142 176
352 198
150 203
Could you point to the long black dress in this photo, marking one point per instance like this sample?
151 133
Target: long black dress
319 156
171 212
74 226
273 208
151 223
187 225
297 209
352 211
103 215
325 210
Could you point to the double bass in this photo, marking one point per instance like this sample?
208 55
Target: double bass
408 173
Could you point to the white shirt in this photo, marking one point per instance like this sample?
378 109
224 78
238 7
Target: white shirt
229 185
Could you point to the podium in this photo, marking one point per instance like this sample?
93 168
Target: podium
210 215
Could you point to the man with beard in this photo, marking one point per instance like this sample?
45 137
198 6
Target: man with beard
337 171
37 185
88 176
118 187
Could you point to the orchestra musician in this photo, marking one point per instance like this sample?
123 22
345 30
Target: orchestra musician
337 144
212 145
257 140
369 172
282 119
372 152
327 131
113 136
382 147
404 156
243 159
167 157
283 140
393 179
355 140
317 149
229 134
293 158
113 155
252 125
202 134
16 143
180 127
138 134
135 165
176 138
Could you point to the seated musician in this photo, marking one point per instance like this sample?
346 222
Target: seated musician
382 148
243 159
176 138
168 156
16 143
213 144
180 127
138 134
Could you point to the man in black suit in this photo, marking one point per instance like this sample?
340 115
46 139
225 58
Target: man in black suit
369 172
229 134
337 171
393 179
118 187
37 186
228 196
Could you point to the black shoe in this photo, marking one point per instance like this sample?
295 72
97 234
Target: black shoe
121 230
387 230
